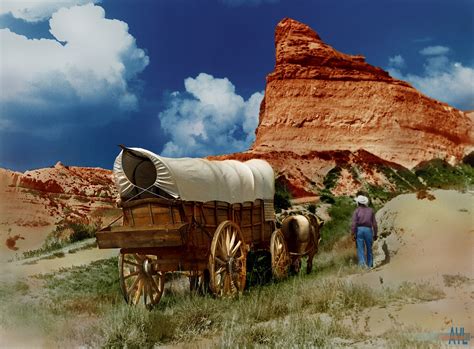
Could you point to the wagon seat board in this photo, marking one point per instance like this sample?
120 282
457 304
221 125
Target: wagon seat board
175 204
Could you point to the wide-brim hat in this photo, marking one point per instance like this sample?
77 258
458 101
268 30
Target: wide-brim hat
363 200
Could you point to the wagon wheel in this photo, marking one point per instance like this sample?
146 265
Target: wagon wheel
280 255
227 261
140 279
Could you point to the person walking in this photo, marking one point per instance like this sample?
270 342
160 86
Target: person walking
364 230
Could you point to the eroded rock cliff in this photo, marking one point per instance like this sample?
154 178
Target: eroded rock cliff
318 99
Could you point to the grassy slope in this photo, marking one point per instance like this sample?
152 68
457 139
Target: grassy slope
304 310
83 305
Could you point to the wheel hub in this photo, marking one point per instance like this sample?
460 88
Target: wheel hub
230 262
147 267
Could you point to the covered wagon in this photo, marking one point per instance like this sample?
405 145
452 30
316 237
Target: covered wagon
192 215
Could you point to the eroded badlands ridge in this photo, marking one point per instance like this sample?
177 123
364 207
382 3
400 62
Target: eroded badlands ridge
43 198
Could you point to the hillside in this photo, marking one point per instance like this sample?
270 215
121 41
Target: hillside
35 203
418 291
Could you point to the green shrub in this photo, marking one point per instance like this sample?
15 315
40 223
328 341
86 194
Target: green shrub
403 179
259 268
57 239
326 196
282 197
84 288
438 173
48 246
340 223
81 231
469 159
312 208
135 327
379 195
332 177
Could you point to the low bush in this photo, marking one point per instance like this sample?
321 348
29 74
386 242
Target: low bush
312 208
326 196
331 178
438 173
81 231
282 197
259 268
64 234
84 288
339 225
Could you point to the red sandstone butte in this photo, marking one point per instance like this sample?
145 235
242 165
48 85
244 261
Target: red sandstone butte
318 99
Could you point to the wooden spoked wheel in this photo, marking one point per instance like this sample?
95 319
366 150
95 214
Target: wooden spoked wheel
140 280
280 255
228 260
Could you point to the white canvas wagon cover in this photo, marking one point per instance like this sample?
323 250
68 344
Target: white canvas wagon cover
193 179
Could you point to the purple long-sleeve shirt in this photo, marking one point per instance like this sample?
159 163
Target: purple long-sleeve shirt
365 217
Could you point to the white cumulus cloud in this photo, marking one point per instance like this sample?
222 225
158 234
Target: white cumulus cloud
38 10
87 66
209 118
442 78
434 50
396 61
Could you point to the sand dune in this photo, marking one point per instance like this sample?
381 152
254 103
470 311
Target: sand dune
430 241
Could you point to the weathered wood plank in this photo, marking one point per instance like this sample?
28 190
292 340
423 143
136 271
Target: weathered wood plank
153 236
151 228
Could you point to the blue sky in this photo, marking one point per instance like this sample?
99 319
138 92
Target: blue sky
185 78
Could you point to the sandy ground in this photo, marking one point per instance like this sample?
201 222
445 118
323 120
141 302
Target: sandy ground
428 239
31 239
9 272
18 269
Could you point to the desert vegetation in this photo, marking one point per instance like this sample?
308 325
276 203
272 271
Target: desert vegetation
295 312
63 235
438 173
282 198
84 306
433 174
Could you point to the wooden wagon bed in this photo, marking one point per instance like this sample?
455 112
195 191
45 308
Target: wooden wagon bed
170 222
172 235
161 223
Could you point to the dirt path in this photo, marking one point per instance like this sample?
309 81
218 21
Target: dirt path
11 271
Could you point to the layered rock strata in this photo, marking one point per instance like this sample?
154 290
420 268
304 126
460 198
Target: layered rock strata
319 99
38 200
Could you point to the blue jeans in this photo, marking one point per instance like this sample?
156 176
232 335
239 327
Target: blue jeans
364 238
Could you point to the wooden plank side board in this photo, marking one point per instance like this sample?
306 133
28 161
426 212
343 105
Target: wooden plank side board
268 231
209 214
154 236
151 228
156 223
174 258
176 215
247 233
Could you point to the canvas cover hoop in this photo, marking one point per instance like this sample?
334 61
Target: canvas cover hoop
194 179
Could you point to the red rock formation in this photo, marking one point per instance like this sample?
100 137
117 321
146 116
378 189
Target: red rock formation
323 108
45 197
318 99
